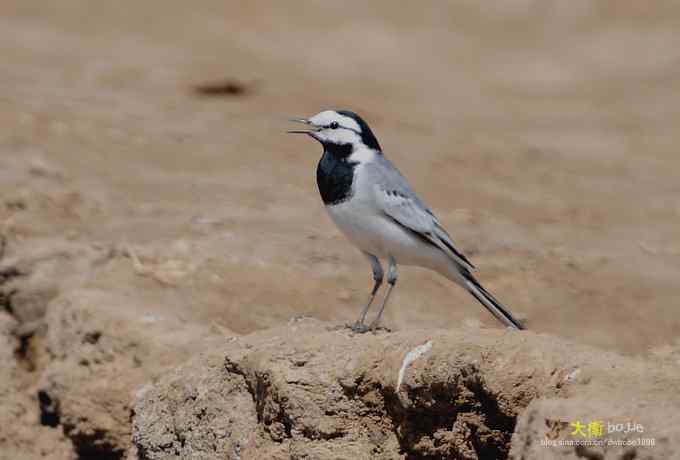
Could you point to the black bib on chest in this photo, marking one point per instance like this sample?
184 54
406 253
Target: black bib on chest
335 174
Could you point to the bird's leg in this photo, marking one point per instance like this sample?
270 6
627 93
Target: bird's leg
364 311
359 326
391 280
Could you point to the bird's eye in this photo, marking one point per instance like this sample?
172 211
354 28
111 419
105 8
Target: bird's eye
334 125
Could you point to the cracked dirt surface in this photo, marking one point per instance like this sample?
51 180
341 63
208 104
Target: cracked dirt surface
307 390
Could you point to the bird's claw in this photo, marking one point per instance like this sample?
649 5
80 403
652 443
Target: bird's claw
359 328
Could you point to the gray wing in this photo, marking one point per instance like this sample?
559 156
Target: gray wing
399 202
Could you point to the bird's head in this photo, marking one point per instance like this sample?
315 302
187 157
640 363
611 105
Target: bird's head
340 131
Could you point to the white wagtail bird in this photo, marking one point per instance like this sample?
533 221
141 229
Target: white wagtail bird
374 206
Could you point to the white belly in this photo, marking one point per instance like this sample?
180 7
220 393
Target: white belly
377 234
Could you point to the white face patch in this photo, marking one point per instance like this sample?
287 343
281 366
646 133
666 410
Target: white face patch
334 128
327 117
339 136
347 131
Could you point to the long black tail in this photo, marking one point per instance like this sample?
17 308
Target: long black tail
494 306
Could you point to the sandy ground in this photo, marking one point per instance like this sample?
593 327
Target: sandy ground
153 209
543 134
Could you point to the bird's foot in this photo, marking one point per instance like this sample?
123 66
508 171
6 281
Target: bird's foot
358 327
361 328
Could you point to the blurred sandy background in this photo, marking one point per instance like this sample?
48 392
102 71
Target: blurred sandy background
542 133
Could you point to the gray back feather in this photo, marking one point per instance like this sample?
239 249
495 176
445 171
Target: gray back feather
397 200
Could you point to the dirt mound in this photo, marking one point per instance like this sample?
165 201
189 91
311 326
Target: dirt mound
93 372
309 390
76 351
22 436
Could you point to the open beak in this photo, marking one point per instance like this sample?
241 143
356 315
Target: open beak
309 131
